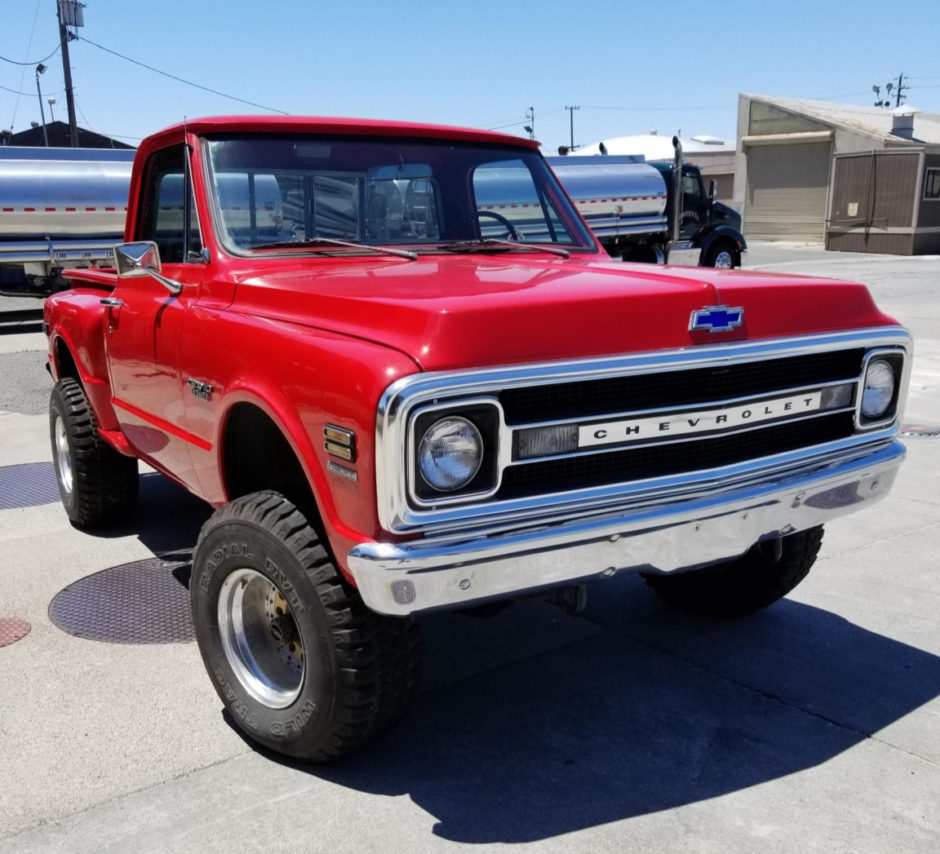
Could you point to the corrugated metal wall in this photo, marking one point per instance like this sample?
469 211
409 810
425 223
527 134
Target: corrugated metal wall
874 197
787 191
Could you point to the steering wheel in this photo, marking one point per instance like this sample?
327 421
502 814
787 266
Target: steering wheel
505 223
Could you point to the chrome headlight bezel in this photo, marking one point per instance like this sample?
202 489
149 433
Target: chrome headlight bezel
879 389
483 420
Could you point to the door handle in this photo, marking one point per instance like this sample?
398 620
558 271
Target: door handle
111 302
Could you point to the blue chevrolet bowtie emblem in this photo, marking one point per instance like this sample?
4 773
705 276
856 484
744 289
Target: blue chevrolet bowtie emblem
716 318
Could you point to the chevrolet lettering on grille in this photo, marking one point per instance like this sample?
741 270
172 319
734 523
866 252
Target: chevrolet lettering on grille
701 421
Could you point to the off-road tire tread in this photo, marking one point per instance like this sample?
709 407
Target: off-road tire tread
105 484
745 584
377 657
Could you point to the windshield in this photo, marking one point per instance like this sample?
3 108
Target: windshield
301 192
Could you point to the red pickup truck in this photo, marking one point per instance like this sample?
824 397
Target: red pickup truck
404 391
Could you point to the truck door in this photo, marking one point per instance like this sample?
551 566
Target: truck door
146 319
692 213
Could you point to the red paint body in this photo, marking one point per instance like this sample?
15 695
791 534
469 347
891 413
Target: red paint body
316 340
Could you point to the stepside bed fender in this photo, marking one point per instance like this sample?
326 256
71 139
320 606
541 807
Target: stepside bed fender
76 324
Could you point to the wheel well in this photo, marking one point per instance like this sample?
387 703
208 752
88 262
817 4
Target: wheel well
256 455
65 362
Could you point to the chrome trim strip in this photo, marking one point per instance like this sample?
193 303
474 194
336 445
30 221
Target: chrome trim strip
404 396
691 409
678 439
420 575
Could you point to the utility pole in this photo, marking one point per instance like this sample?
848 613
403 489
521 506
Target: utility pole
899 90
70 15
530 118
571 115
889 88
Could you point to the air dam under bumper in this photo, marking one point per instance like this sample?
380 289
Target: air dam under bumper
410 577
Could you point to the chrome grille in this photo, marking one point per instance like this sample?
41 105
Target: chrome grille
678 388
552 464
671 457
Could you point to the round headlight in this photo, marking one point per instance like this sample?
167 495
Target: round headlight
450 454
879 389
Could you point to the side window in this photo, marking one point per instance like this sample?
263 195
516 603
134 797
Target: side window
163 218
509 204
691 193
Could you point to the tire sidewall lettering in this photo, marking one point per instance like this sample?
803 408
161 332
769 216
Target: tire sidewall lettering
221 555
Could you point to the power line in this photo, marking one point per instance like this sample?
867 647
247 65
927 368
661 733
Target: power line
33 62
16 92
654 109
180 79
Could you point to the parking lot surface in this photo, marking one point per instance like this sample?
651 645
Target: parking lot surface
813 726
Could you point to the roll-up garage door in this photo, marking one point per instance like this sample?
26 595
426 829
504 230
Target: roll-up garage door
787 191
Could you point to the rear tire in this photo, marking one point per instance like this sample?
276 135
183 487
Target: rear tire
753 581
98 486
300 663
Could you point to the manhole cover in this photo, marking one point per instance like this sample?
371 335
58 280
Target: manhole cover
12 630
27 485
142 602
919 431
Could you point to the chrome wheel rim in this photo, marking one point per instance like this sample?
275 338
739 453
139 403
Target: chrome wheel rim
63 456
260 638
724 260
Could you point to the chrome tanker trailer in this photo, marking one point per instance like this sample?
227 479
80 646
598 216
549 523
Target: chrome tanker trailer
59 208
652 211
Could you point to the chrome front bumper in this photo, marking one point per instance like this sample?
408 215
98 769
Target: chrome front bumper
431 573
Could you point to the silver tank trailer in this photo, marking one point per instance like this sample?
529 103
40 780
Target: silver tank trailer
59 207
616 195
63 192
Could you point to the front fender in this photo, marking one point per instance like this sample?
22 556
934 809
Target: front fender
303 380
77 322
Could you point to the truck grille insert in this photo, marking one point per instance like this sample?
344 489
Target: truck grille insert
712 386
670 458
679 389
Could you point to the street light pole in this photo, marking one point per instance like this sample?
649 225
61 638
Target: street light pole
41 69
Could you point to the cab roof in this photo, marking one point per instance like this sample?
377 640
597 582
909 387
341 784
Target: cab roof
328 125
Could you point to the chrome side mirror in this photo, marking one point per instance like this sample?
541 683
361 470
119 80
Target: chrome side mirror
142 259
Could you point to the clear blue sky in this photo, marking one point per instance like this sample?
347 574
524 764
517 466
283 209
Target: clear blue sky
629 66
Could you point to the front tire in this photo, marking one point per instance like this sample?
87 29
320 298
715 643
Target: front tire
98 486
723 256
753 581
300 663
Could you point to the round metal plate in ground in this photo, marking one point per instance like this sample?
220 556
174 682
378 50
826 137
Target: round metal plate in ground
12 630
27 485
919 431
142 602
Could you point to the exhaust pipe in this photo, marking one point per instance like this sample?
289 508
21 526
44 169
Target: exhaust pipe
676 191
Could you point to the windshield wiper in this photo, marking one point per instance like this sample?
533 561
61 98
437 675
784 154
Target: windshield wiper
313 242
490 243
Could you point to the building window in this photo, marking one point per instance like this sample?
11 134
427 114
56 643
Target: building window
932 184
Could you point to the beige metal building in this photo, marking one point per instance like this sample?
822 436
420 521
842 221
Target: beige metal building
861 179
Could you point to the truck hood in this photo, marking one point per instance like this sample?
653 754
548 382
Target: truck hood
470 311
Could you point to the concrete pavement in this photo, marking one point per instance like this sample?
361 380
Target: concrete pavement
811 727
